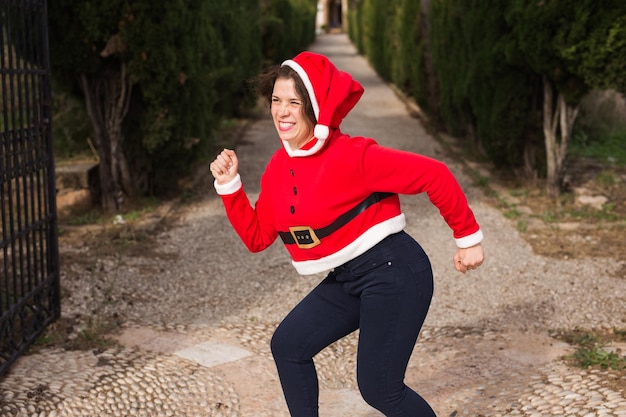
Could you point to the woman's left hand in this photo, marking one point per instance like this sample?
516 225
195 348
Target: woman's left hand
469 258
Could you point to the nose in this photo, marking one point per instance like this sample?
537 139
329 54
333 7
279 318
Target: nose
283 108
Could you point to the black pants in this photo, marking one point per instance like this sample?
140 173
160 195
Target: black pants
385 293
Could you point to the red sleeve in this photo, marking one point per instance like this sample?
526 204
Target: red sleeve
402 172
254 226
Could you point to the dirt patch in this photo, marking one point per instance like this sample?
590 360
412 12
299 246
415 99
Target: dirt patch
568 227
581 242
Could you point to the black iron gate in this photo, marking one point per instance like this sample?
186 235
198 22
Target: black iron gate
29 259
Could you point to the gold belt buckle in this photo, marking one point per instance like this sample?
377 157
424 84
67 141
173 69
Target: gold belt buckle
304 237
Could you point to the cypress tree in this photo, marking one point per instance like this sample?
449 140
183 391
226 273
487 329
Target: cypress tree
157 77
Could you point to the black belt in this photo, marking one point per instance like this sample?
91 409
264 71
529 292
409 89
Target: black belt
306 237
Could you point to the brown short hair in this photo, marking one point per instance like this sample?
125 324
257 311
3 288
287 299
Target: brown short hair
265 87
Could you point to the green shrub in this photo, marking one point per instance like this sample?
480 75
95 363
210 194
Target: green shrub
288 26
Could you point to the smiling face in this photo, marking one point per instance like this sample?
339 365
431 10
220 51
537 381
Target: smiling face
288 114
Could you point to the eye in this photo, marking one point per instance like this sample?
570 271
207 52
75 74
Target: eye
296 102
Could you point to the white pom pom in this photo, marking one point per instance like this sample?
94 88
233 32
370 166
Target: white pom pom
321 132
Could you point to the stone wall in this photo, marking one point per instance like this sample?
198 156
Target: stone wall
604 109
77 186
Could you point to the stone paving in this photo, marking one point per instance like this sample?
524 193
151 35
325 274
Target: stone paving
203 379
484 350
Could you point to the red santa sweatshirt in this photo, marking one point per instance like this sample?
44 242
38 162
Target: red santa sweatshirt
314 190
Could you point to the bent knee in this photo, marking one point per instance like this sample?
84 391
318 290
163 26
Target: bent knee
292 346
283 344
381 396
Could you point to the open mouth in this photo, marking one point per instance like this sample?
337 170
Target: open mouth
285 125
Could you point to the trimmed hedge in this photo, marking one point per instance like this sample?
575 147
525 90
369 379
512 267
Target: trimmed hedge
288 26
389 32
476 67
480 90
474 91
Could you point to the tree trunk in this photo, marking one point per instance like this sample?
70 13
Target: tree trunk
107 100
558 121
530 163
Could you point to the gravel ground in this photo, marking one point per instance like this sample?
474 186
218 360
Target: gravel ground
484 350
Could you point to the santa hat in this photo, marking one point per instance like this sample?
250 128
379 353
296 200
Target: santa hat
333 93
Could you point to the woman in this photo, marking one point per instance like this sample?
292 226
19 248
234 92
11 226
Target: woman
333 200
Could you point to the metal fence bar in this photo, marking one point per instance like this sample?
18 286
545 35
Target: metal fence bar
29 264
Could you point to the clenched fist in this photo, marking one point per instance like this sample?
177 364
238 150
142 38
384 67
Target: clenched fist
225 166
469 258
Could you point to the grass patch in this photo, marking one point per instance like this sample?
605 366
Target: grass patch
606 147
91 217
134 212
583 213
586 213
512 213
479 180
607 178
63 334
593 348
596 356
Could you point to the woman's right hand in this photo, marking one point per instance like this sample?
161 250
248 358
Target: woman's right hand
225 166
469 258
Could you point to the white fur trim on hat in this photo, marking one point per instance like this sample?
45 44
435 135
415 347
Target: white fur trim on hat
321 132
307 83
